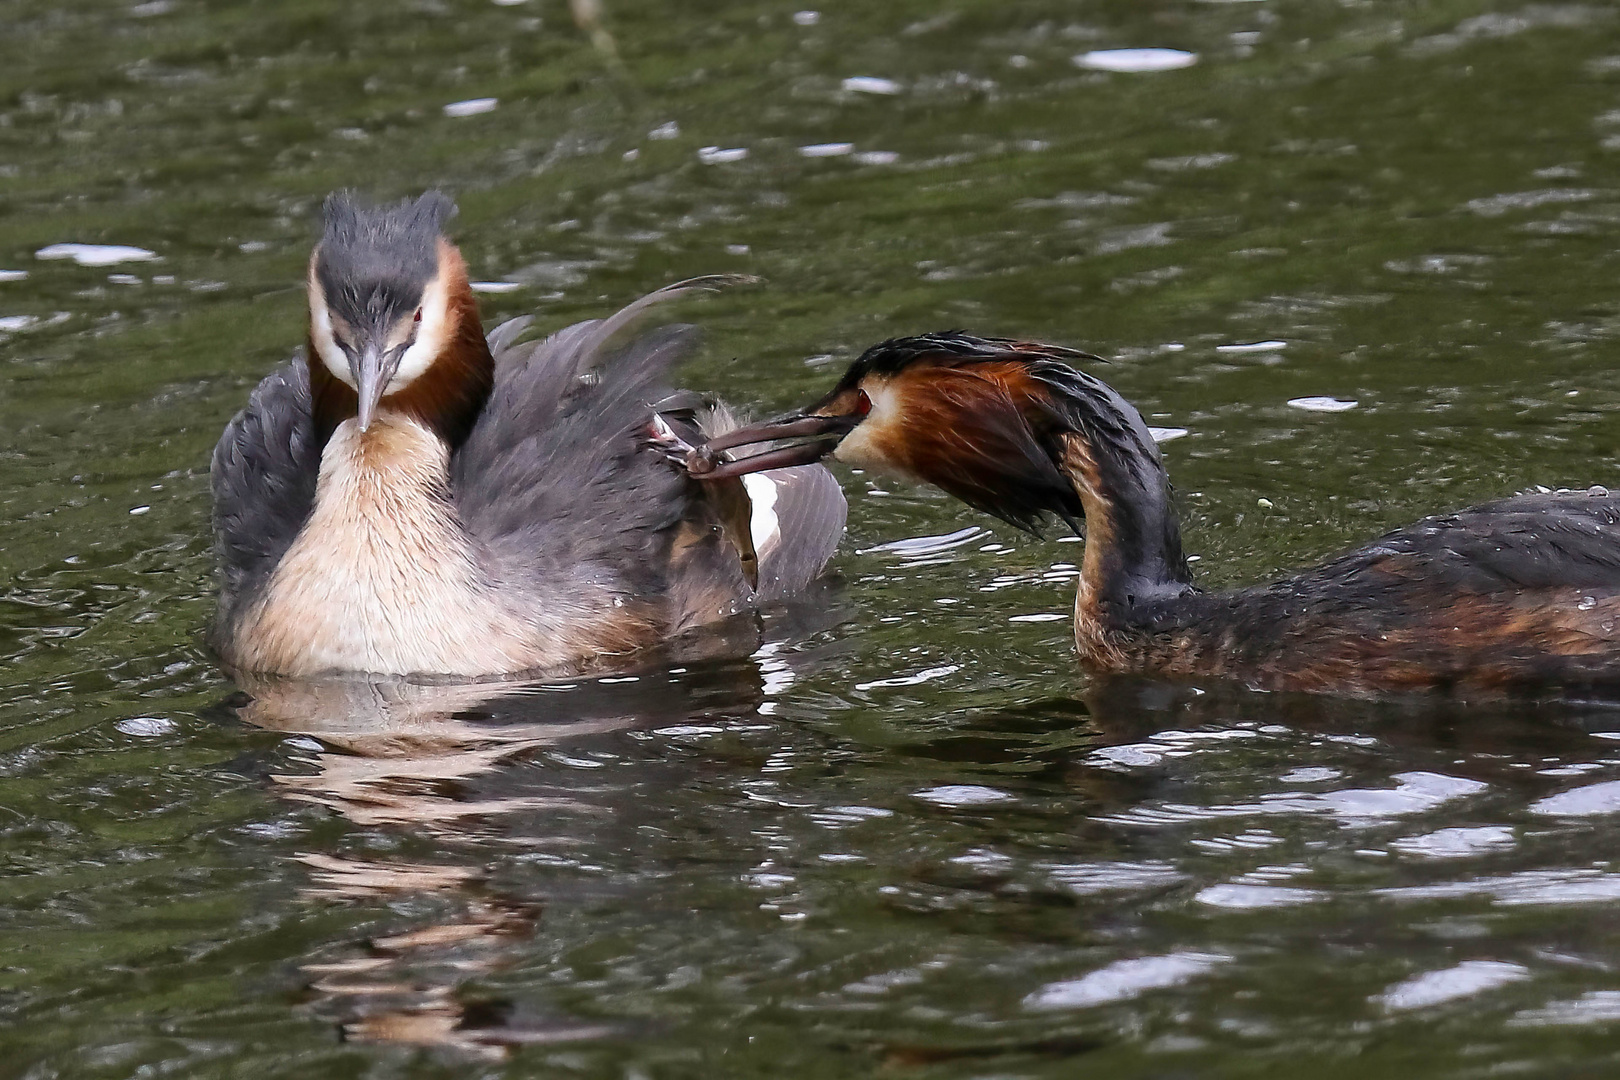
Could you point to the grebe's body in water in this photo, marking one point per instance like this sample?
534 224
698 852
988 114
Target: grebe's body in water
1521 595
413 497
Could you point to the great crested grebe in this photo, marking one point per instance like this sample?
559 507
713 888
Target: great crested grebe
1510 597
413 498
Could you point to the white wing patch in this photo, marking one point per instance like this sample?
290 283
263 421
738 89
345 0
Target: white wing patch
762 523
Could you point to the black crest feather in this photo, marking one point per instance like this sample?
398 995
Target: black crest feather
374 261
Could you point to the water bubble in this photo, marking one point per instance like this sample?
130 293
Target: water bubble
1467 979
964 795
147 727
1125 979
715 155
925 675
1322 404
1586 801
1132 60
871 84
1244 897
96 254
471 107
1456 843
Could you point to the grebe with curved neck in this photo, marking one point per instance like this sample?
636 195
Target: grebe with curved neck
1517 596
413 497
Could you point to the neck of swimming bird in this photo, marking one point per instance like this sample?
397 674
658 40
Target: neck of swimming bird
1133 540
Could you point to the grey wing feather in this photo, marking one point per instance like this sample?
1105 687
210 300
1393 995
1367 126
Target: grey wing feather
263 477
810 510
555 478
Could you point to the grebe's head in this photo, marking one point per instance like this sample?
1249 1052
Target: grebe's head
384 294
982 418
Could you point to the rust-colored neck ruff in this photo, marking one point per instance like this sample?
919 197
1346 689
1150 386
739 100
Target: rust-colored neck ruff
448 396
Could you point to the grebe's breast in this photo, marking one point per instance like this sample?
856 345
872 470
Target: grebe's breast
383 577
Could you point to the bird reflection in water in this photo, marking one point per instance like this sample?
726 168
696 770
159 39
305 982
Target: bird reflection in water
455 764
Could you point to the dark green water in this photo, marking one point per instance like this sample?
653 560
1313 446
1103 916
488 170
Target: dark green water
905 837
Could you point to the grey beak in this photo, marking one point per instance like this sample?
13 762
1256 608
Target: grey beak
370 379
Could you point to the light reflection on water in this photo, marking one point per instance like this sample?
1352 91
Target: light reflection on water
898 830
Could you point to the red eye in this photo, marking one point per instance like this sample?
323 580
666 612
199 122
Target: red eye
418 315
863 404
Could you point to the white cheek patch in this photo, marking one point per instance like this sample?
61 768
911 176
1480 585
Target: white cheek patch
859 448
432 334
325 342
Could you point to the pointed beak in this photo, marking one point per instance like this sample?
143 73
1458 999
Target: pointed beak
819 435
371 375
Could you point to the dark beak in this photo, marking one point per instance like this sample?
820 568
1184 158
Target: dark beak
820 434
373 370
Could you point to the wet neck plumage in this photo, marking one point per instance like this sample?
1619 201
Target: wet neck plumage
1133 539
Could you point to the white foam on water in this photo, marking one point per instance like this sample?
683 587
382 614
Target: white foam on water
96 254
916 547
1417 792
10 324
1526 888
1252 346
717 155
13 275
1088 879
1497 205
1248 897
1134 60
1322 404
964 795
147 727
472 106
1041 616
1589 801
1596 1007
877 157
495 287
1457 843
871 84
1310 774
1467 979
806 18
830 149
838 817
667 130
1125 979
1190 161
1167 434
925 675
